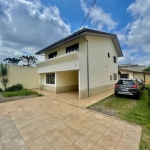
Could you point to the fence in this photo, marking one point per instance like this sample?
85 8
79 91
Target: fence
28 76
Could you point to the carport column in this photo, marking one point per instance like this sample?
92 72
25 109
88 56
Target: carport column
56 82
40 81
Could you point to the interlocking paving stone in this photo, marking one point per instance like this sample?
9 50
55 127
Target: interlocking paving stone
1 147
56 122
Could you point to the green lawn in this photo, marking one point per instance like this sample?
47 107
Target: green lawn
23 92
129 109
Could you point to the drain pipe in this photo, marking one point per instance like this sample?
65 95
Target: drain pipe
87 65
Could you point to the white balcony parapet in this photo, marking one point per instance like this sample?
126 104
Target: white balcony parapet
64 62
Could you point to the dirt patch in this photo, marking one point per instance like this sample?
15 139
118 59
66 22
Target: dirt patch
14 98
101 108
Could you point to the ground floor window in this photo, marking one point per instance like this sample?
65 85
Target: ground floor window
115 76
50 78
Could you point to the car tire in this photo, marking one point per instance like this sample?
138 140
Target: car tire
138 96
116 94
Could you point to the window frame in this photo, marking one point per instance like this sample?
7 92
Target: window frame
54 55
72 48
115 76
50 78
115 59
110 77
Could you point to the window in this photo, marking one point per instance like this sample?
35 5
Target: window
115 76
124 76
108 55
72 48
50 78
52 55
110 77
126 82
114 59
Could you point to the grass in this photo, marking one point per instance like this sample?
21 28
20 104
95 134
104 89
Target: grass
131 110
24 92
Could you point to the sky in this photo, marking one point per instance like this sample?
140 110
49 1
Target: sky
27 26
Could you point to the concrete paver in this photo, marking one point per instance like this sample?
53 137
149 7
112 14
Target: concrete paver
60 122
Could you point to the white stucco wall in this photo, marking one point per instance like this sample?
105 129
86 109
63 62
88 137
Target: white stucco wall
55 64
27 76
100 65
66 78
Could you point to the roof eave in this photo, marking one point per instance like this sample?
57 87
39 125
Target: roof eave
80 33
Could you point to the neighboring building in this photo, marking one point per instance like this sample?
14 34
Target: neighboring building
144 75
86 61
132 67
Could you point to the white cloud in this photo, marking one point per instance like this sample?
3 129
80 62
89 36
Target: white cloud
137 33
27 26
99 19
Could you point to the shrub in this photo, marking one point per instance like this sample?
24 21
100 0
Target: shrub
1 90
23 92
14 88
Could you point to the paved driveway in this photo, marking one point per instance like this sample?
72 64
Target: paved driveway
46 123
73 98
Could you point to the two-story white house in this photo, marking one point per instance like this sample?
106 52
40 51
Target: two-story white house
86 60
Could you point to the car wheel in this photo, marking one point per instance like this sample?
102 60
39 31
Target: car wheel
116 94
138 96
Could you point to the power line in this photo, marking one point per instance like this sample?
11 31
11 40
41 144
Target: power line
92 5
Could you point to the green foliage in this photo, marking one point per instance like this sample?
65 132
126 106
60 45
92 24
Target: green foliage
3 73
147 69
4 82
24 92
13 61
1 90
14 88
28 60
3 70
134 111
39 95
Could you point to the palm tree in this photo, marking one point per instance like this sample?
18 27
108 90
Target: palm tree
3 74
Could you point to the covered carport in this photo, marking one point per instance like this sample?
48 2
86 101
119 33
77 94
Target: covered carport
66 81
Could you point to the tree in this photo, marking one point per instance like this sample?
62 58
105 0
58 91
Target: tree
13 61
147 69
3 74
29 60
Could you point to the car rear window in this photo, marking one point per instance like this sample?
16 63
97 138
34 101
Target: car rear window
126 82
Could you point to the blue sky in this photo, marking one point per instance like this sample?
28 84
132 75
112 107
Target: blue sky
26 26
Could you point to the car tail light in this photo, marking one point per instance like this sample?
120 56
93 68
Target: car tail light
117 86
134 86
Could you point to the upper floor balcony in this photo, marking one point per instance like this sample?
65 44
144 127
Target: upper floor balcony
69 61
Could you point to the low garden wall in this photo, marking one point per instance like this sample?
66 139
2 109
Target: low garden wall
28 76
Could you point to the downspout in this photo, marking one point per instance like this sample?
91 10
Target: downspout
87 64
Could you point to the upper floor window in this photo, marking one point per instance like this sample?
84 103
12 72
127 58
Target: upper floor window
72 48
50 78
52 55
108 54
115 59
